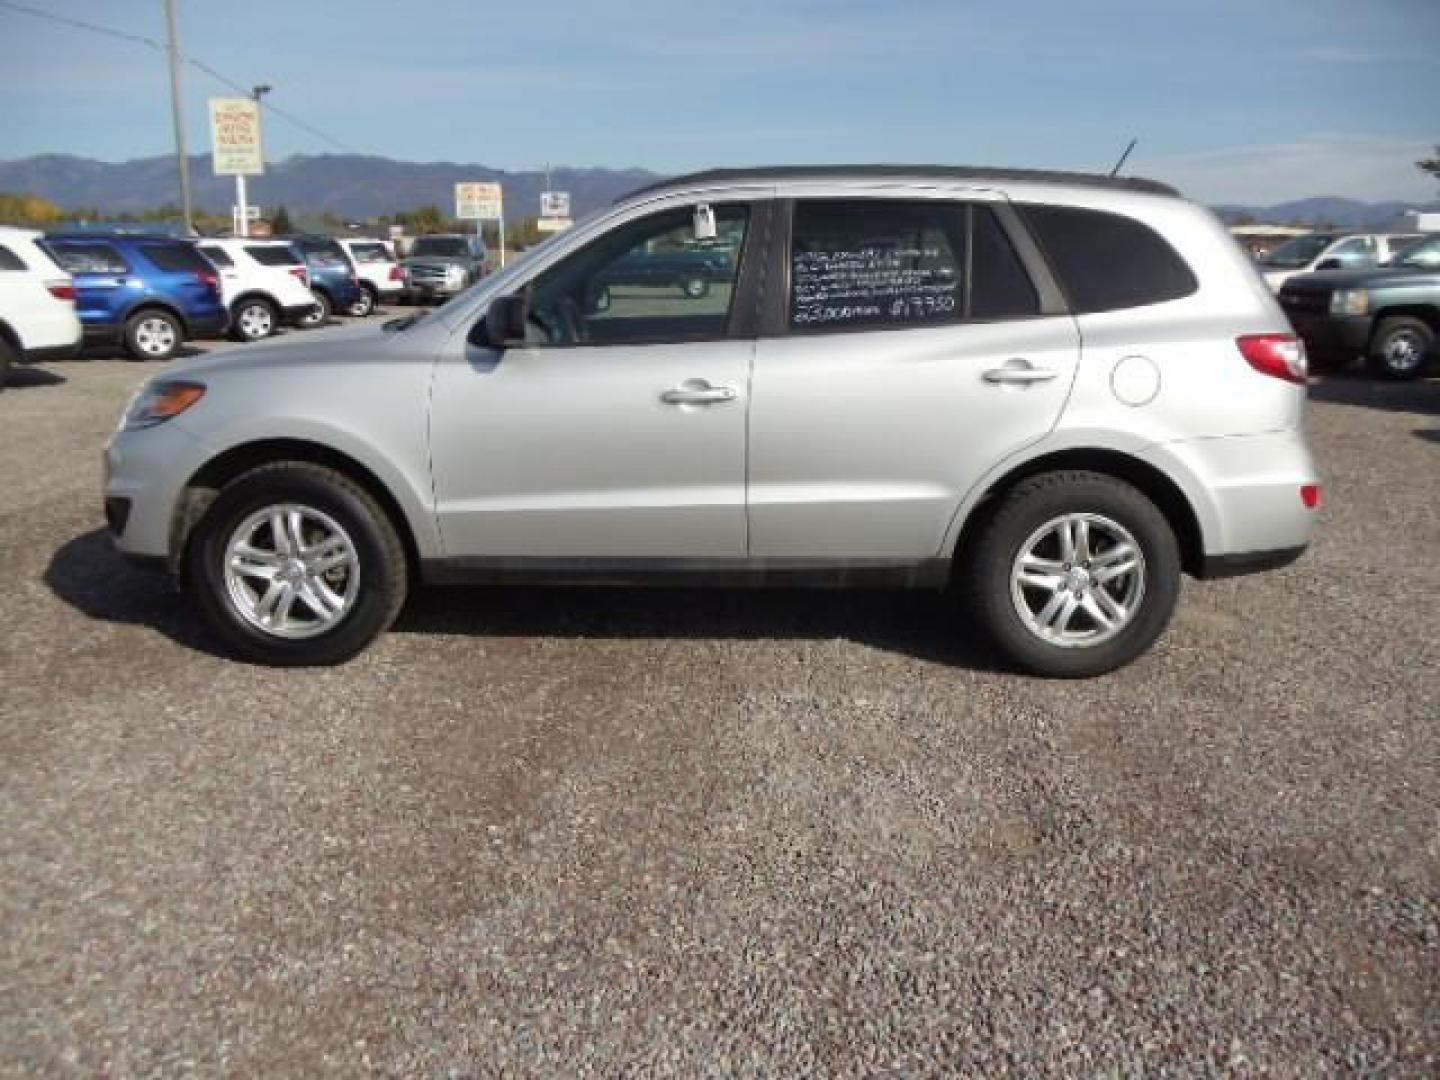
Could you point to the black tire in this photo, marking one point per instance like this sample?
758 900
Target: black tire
312 322
253 319
1022 514
1400 348
695 287
7 361
153 334
365 307
383 577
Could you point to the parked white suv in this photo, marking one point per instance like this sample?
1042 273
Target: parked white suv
1331 251
1056 391
37 304
263 283
381 276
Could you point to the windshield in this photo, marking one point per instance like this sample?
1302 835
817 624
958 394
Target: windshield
1298 252
443 246
1424 254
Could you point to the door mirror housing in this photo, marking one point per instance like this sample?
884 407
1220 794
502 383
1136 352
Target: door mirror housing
505 321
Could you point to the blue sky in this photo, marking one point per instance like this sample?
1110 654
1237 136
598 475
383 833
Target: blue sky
1253 101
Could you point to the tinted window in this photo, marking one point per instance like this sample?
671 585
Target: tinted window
1301 251
9 260
216 255
369 253
1106 261
1356 245
648 280
866 263
84 257
999 286
177 258
273 255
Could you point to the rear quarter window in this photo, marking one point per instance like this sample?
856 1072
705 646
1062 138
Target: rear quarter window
176 258
1107 262
84 257
217 256
274 255
10 261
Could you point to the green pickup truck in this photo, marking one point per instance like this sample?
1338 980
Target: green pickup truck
1390 315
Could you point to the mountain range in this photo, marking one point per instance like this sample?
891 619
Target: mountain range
356 186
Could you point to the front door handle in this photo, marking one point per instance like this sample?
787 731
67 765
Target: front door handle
1018 373
698 392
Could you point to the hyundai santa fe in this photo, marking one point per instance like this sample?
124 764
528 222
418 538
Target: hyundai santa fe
1054 392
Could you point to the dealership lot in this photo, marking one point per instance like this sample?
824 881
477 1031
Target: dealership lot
593 831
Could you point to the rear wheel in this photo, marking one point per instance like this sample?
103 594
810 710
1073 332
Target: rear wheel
153 334
295 564
253 319
1401 348
320 316
695 287
367 303
1075 574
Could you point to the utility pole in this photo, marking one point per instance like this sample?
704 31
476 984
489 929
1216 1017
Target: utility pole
172 23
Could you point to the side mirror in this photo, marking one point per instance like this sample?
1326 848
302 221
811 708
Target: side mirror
1329 264
505 321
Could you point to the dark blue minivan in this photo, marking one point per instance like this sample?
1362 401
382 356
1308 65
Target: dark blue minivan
147 293
333 279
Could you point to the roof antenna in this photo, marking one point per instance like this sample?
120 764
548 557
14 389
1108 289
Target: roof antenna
1123 156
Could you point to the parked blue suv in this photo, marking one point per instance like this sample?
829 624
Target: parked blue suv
332 276
145 292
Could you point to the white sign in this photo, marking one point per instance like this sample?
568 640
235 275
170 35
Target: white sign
252 213
554 204
235 137
553 224
478 201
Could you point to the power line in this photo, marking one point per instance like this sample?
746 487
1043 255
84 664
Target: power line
198 65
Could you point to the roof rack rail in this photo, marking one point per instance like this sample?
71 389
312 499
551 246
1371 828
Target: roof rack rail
880 172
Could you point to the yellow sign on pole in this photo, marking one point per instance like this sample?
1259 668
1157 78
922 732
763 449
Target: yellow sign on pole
476 201
235 137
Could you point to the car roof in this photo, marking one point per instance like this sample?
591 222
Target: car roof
111 237
920 173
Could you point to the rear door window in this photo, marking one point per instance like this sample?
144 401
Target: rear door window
88 257
9 260
1106 262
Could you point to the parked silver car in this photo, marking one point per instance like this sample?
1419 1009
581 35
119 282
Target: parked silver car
441 266
1055 391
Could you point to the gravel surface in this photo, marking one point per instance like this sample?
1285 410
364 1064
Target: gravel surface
597 833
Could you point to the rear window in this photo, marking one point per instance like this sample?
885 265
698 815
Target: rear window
370 253
273 255
10 261
85 257
216 255
1106 262
176 258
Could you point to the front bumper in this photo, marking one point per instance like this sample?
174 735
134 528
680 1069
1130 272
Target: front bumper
294 314
1331 334
145 474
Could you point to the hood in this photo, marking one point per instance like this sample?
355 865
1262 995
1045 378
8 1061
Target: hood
1373 278
330 344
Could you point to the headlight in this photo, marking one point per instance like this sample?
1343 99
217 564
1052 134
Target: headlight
1349 302
159 401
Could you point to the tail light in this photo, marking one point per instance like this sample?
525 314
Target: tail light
301 273
210 279
397 273
1279 355
61 290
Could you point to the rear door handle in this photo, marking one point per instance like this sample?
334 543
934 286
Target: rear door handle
1018 373
698 392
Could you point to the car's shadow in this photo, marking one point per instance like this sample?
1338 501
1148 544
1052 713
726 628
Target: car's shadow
1421 396
24 378
118 352
90 575
1428 434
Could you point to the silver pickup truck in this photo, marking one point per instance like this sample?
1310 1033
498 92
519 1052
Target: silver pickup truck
440 266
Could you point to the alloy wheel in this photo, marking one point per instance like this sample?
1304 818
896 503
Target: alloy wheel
1078 580
291 571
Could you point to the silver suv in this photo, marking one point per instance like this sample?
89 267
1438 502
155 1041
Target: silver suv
1055 392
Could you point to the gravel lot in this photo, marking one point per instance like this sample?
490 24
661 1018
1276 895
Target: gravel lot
592 833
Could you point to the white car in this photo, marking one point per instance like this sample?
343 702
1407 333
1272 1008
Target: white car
37 304
264 284
1331 251
381 277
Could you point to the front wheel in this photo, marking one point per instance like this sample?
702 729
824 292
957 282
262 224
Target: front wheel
695 287
253 320
1075 574
295 564
1400 348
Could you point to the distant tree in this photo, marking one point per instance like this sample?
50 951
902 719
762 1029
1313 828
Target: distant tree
28 210
280 221
1430 165
421 220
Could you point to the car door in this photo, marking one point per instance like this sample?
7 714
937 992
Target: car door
617 430
917 345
